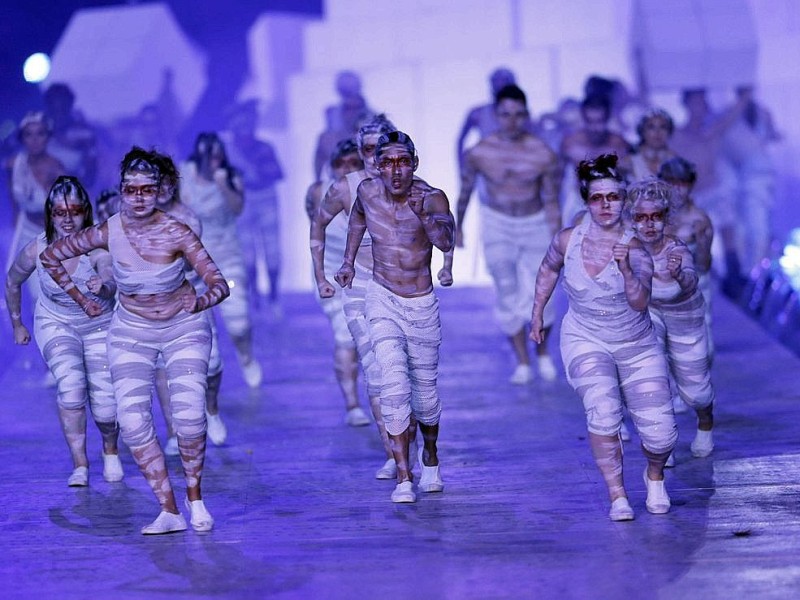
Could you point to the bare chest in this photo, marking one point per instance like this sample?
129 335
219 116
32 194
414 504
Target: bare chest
511 167
393 226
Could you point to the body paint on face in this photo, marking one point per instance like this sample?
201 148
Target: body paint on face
605 201
68 216
138 193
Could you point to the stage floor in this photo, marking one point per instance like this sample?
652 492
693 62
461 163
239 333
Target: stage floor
523 515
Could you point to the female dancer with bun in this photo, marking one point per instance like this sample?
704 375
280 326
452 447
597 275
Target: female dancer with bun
608 343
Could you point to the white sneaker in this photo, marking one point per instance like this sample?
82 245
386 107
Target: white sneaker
547 369
621 510
387 471
430 479
166 522
171 449
215 429
522 375
404 493
112 468
624 433
201 519
79 477
356 417
657 501
703 444
252 374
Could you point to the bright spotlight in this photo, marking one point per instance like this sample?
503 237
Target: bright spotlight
36 67
790 261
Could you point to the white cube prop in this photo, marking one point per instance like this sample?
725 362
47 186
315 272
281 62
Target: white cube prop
115 59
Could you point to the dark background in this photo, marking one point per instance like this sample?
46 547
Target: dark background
217 26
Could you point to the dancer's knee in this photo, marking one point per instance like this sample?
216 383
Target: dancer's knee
74 399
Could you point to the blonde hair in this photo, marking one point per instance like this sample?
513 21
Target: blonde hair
652 189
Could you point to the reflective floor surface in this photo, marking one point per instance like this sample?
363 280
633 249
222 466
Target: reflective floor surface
523 514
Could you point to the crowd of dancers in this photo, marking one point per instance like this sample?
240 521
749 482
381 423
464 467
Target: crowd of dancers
122 290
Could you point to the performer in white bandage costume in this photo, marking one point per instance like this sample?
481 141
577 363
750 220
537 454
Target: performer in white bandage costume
608 344
677 308
690 224
405 218
169 201
72 343
337 200
158 314
519 216
31 173
345 159
213 190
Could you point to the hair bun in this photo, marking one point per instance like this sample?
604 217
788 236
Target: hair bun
599 167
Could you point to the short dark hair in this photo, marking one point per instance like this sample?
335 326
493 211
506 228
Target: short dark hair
138 160
379 124
395 137
691 92
153 163
510 92
596 85
204 144
59 90
343 148
678 169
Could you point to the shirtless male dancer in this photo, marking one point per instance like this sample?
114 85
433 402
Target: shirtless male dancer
405 218
519 215
593 139
345 159
339 198
483 117
483 120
